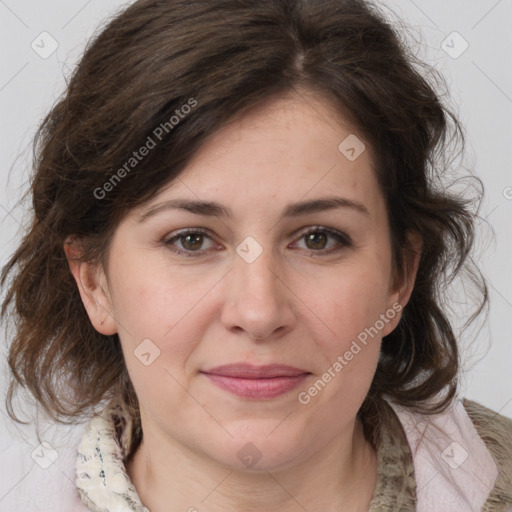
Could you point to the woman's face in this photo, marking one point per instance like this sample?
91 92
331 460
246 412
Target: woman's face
219 269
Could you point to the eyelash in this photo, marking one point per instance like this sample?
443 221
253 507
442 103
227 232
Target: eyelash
342 238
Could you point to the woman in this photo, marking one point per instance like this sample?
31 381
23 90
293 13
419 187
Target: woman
237 261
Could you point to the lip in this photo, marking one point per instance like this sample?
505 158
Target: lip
257 382
250 371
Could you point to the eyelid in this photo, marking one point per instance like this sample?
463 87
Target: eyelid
313 229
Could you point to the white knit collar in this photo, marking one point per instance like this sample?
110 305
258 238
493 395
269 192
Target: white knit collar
101 477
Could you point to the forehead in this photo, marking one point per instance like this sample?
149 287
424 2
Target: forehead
290 147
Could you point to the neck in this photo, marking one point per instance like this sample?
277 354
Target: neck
165 472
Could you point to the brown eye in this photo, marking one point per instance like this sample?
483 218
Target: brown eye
322 241
192 242
316 240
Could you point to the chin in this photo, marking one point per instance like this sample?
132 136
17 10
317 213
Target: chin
261 450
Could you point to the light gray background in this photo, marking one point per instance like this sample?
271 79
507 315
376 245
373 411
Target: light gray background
480 83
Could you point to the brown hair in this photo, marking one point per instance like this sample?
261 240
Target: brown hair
222 58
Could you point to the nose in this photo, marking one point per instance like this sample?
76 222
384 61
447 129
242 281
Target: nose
258 300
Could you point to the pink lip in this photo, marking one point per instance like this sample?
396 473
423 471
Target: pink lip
250 381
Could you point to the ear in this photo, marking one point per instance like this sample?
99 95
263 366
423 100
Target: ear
93 287
402 283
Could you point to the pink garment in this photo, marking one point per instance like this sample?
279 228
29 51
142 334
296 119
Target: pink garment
46 489
454 470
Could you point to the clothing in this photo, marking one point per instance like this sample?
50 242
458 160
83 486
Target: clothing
456 461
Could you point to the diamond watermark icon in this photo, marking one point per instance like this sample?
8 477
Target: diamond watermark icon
249 250
44 45
146 352
249 455
454 45
454 455
352 147
45 455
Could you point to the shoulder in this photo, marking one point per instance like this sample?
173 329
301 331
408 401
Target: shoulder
496 432
462 457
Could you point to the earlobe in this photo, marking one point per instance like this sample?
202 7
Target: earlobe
92 286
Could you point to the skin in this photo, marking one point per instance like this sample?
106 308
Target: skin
293 305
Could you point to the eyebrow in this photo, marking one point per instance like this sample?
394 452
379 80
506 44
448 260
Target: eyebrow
214 209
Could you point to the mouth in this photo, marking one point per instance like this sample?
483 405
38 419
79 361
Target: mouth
256 382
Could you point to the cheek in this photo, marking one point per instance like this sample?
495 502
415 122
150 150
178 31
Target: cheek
155 301
351 306
162 330
162 316
351 302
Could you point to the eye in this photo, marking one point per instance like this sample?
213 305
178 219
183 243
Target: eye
317 240
191 241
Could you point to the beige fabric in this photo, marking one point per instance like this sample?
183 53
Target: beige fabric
496 431
396 486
